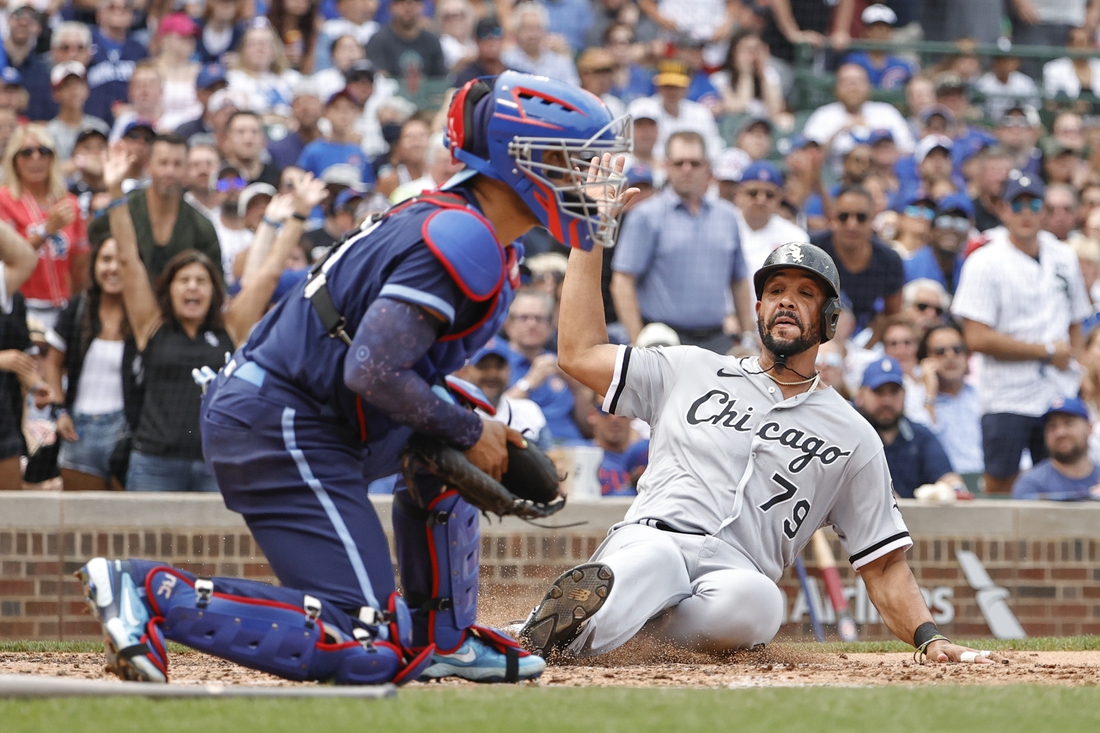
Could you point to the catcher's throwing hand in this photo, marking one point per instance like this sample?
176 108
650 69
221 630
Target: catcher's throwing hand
490 453
944 651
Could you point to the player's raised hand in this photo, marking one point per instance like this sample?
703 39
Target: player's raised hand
944 651
490 453
605 185
117 167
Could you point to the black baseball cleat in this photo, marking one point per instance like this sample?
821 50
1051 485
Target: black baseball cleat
572 599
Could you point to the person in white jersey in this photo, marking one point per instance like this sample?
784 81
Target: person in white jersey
759 224
748 458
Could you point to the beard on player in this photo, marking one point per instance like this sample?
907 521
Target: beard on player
782 347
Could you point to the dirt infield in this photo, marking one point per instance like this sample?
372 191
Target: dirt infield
777 666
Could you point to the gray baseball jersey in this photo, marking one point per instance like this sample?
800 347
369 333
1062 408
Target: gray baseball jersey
730 457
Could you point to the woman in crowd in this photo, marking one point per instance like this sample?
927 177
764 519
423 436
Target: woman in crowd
93 331
749 84
345 52
295 21
1070 76
222 29
456 33
34 200
178 70
262 72
180 327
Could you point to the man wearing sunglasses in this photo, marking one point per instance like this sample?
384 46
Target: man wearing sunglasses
1018 133
759 224
1021 299
940 259
953 405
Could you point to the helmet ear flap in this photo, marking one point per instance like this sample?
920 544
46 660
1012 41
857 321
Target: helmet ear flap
460 119
830 314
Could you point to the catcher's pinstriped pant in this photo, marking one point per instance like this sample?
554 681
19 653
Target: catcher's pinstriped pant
693 590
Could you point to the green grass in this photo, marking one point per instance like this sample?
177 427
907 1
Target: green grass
1036 644
533 710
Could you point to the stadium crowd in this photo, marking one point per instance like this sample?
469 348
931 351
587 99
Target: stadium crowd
177 166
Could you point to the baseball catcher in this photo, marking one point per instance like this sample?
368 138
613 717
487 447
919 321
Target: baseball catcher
328 390
748 458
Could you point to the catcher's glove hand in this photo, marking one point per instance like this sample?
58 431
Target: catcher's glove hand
529 489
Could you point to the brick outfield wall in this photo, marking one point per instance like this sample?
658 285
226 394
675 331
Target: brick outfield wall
1052 576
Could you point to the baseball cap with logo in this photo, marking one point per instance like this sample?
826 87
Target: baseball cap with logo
210 75
1067 406
879 14
884 371
493 347
672 74
1023 184
764 172
64 70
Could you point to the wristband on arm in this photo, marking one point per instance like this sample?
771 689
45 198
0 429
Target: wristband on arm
925 634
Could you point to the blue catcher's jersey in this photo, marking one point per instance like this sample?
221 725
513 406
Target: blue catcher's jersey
445 258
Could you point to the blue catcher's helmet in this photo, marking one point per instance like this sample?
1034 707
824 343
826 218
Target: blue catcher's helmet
507 128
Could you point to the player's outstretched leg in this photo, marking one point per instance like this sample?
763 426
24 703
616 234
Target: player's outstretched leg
282 631
438 550
571 600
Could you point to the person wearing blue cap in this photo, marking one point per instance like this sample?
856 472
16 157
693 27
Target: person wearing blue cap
490 370
941 259
913 453
1068 474
339 145
1021 299
759 224
885 71
211 78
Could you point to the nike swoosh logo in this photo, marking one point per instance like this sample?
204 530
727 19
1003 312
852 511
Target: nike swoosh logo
724 373
465 657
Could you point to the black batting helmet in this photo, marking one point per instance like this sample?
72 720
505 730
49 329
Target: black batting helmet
813 259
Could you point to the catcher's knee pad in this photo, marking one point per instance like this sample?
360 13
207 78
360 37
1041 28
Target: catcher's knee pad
438 551
281 631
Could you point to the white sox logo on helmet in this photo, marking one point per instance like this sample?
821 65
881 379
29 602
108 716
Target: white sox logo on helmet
794 251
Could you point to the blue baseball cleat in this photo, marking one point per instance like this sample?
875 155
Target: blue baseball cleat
134 644
479 661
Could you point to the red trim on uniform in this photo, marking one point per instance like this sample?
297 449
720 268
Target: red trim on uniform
435 571
413 664
496 639
362 419
451 269
324 647
481 321
550 204
475 401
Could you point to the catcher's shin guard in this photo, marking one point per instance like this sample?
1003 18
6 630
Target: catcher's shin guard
282 631
438 553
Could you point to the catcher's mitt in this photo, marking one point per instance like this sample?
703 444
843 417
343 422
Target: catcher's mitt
529 489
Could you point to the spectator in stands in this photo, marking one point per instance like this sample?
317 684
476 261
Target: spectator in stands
727 171
994 165
953 20
12 94
71 41
405 161
178 71
884 70
1068 474
680 257
355 19
830 364
607 14
17 369
567 23
914 224
34 200
340 145
456 33
138 138
941 258
1004 86
251 205
953 92
403 48
631 81
261 72
490 43
913 453
925 302
754 137
830 124
596 67
1070 76
689 51
92 333
346 51
69 86
900 339
678 114
1088 256
340 209
644 112
748 81
200 180
871 273
534 369
86 181
920 95
623 461
490 371
223 29
244 148
794 23
1062 210
24 27
439 166
804 173
211 79
951 403
307 111
1022 300
706 20
228 225
116 52
146 97
164 223
760 227
1018 134
529 23
856 167
296 24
